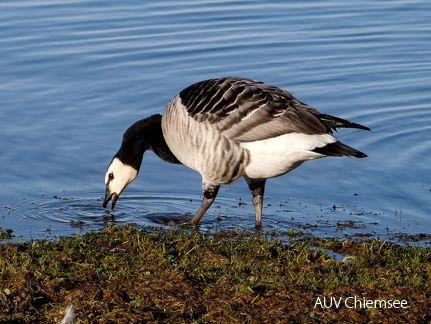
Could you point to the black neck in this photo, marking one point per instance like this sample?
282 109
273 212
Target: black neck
145 134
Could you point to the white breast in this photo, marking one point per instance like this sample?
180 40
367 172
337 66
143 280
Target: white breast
201 146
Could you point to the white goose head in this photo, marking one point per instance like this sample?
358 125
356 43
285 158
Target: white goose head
118 176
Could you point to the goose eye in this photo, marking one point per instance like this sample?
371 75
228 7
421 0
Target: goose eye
111 176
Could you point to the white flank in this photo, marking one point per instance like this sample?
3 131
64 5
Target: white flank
276 156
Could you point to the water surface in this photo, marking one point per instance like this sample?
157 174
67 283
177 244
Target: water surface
75 74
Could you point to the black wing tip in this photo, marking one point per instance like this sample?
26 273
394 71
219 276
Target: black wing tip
360 155
359 126
332 122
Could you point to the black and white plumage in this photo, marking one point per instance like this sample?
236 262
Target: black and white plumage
228 128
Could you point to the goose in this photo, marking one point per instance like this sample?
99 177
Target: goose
227 128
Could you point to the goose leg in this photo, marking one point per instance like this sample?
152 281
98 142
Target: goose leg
210 192
257 189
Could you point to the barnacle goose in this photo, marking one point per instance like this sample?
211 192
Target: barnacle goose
227 128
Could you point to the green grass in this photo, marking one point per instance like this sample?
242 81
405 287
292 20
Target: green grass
123 275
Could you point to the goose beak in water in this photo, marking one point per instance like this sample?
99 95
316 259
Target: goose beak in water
110 197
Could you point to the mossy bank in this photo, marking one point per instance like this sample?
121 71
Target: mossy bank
125 275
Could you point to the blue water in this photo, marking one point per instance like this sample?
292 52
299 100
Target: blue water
75 74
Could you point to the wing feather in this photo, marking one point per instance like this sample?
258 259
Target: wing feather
248 110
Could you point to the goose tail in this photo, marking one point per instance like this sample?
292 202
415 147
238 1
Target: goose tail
339 149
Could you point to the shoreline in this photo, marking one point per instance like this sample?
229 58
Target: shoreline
123 274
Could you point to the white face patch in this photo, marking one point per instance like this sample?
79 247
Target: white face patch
119 176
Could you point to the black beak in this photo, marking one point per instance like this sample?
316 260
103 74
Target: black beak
110 196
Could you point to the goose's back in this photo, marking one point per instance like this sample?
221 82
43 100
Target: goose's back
230 102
